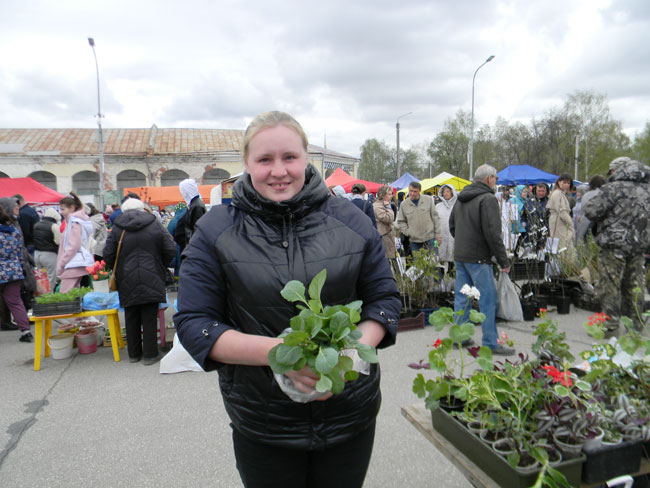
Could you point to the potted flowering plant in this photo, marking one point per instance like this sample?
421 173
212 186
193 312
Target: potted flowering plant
100 275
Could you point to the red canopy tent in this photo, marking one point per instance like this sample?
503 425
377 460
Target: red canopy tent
32 190
340 177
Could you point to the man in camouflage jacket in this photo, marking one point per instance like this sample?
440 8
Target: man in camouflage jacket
623 222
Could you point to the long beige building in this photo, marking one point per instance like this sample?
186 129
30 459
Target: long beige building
68 159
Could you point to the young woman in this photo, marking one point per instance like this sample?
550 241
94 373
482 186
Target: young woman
283 225
74 256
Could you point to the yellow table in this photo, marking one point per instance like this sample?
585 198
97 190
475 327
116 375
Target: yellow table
43 330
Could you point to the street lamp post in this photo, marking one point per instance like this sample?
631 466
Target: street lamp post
471 145
399 173
91 41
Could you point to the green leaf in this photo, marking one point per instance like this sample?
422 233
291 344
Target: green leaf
295 338
327 359
288 354
367 353
351 375
315 305
297 323
314 325
439 390
628 344
583 385
354 316
476 317
294 291
484 359
338 383
300 364
441 317
341 334
324 384
561 391
316 285
355 334
513 459
277 367
460 333
355 305
346 363
339 322
418 385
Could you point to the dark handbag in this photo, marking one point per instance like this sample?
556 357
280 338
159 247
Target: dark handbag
112 283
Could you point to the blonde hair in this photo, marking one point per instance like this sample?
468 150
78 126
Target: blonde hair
268 120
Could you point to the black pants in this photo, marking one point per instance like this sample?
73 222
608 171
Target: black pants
340 466
141 330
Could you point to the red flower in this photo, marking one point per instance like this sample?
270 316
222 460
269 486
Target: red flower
558 376
437 344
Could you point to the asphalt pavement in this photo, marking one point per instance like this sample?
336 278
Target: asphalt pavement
88 421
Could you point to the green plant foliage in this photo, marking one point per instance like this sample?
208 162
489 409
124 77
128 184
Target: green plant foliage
63 297
320 336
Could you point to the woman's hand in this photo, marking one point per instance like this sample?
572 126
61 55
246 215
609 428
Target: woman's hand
305 380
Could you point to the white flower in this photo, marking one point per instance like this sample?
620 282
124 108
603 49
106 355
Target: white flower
470 291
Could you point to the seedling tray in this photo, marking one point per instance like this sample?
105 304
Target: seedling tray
61 308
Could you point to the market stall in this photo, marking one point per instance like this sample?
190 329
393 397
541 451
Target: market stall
34 192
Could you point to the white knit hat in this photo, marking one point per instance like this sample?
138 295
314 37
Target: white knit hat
132 204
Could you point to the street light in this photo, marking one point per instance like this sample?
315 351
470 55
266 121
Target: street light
471 145
397 128
91 41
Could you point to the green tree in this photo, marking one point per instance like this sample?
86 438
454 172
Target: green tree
641 146
449 149
377 161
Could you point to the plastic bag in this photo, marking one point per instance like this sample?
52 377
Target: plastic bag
509 305
178 360
42 281
289 388
96 300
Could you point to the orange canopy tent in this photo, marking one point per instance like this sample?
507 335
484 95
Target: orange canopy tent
33 191
163 196
340 177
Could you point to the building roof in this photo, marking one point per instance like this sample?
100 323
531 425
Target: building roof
119 141
150 141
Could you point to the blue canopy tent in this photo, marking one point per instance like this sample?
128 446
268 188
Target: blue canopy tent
523 174
404 181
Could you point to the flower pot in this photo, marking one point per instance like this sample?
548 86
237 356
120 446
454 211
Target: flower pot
595 441
486 459
563 305
475 427
529 310
607 462
101 286
454 405
503 447
491 436
569 450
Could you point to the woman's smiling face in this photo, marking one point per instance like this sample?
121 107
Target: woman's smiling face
276 163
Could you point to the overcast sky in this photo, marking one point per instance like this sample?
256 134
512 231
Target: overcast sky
344 68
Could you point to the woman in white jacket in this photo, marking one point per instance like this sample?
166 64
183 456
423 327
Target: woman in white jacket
447 201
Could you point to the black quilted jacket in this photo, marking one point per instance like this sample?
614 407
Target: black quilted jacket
239 259
147 249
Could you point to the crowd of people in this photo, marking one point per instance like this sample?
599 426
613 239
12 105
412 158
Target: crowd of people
284 224
65 241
